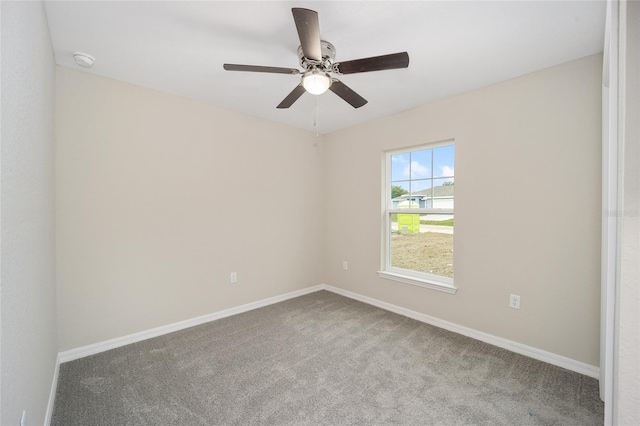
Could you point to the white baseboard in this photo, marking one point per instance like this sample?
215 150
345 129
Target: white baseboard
548 357
52 393
540 355
95 348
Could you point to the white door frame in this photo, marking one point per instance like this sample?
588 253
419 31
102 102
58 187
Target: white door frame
609 253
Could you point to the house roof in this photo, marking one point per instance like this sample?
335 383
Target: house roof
438 191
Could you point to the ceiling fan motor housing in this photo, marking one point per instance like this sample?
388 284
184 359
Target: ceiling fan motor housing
326 64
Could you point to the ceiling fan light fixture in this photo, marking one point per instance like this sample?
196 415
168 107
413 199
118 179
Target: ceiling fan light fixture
316 82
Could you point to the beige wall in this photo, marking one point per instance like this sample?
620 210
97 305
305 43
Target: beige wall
27 279
527 207
159 198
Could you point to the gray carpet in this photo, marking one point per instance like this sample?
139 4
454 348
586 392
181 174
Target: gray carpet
320 359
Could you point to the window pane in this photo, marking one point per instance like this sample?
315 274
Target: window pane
443 193
421 164
427 248
418 242
400 167
421 193
443 161
398 191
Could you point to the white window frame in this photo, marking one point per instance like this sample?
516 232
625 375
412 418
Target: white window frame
422 279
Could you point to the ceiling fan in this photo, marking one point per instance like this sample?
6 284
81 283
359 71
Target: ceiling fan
317 59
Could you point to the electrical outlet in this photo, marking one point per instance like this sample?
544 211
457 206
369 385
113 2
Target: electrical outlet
345 265
514 301
234 277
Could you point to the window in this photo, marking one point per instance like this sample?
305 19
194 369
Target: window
418 223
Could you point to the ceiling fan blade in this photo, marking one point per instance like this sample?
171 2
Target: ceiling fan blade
258 68
342 90
375 63
308 31
292 97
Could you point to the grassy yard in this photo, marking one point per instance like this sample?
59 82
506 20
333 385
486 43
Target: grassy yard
447 222
429 252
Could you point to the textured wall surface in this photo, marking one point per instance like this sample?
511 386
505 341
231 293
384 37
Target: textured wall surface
159 199
28 294
527 218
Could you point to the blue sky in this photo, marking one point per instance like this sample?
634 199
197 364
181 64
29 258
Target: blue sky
423 168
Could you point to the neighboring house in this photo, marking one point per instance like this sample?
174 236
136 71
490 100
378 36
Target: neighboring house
438 197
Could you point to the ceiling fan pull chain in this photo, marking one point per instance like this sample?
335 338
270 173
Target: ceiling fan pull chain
315 119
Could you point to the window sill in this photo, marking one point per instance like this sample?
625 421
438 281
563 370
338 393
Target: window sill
421 282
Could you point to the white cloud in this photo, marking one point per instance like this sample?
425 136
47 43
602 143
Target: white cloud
417 170
447 171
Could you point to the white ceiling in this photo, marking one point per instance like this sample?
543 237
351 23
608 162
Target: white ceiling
179 47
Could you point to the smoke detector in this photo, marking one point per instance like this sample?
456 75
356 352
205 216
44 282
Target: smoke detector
84 60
